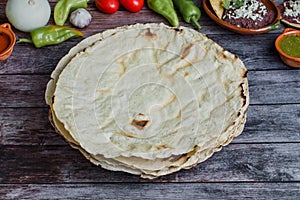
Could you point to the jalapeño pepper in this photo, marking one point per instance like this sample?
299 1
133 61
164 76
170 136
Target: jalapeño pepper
189 11
166 9
51 35
63 8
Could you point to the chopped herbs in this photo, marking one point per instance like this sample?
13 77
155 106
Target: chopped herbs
238 3
226 4
235 3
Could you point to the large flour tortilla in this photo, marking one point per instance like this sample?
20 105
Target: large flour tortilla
148 99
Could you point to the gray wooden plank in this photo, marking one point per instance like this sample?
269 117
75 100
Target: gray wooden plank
235 163
255 57
273 123
266 87
273 87
153 191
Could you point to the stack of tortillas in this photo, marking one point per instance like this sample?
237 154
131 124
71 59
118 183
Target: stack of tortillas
148 99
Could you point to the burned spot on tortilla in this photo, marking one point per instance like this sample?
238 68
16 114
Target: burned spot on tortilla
224 56
149 34
179 30
176 157
162 147
244 75
235 57
185 74
242 94
124 134
139 123
186 51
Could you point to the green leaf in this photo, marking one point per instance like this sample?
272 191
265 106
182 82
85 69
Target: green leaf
226 4
238 3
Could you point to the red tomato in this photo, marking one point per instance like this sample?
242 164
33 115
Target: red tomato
132 5
107 6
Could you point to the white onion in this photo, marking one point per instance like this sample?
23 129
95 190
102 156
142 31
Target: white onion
27 15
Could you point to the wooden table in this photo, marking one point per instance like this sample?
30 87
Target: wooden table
262 163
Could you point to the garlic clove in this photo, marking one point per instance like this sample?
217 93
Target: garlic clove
80 18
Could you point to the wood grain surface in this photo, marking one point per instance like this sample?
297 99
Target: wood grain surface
235 163
176 191
262 163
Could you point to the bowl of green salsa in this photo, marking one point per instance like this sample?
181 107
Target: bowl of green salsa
288 47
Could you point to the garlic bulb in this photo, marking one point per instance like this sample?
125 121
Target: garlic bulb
80 18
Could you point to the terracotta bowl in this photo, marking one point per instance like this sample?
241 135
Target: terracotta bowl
287 59
7 41
289 24
275 25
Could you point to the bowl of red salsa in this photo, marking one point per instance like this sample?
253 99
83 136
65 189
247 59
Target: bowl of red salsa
7 41
288 47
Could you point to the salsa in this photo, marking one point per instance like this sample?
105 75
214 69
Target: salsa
4 42
291 45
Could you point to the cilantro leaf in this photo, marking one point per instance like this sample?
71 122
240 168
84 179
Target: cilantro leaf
238 3
226 4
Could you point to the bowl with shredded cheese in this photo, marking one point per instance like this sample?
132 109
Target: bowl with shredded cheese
244 16
290 12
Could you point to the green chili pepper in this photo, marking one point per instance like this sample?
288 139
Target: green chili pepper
189 11
51 35
63 8
166 9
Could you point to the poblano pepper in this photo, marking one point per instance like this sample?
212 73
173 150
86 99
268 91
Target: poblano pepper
63 8
51 35
189 11
166 9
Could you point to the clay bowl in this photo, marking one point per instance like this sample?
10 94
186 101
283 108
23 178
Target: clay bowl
7 41
287 23
275 25
287 59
